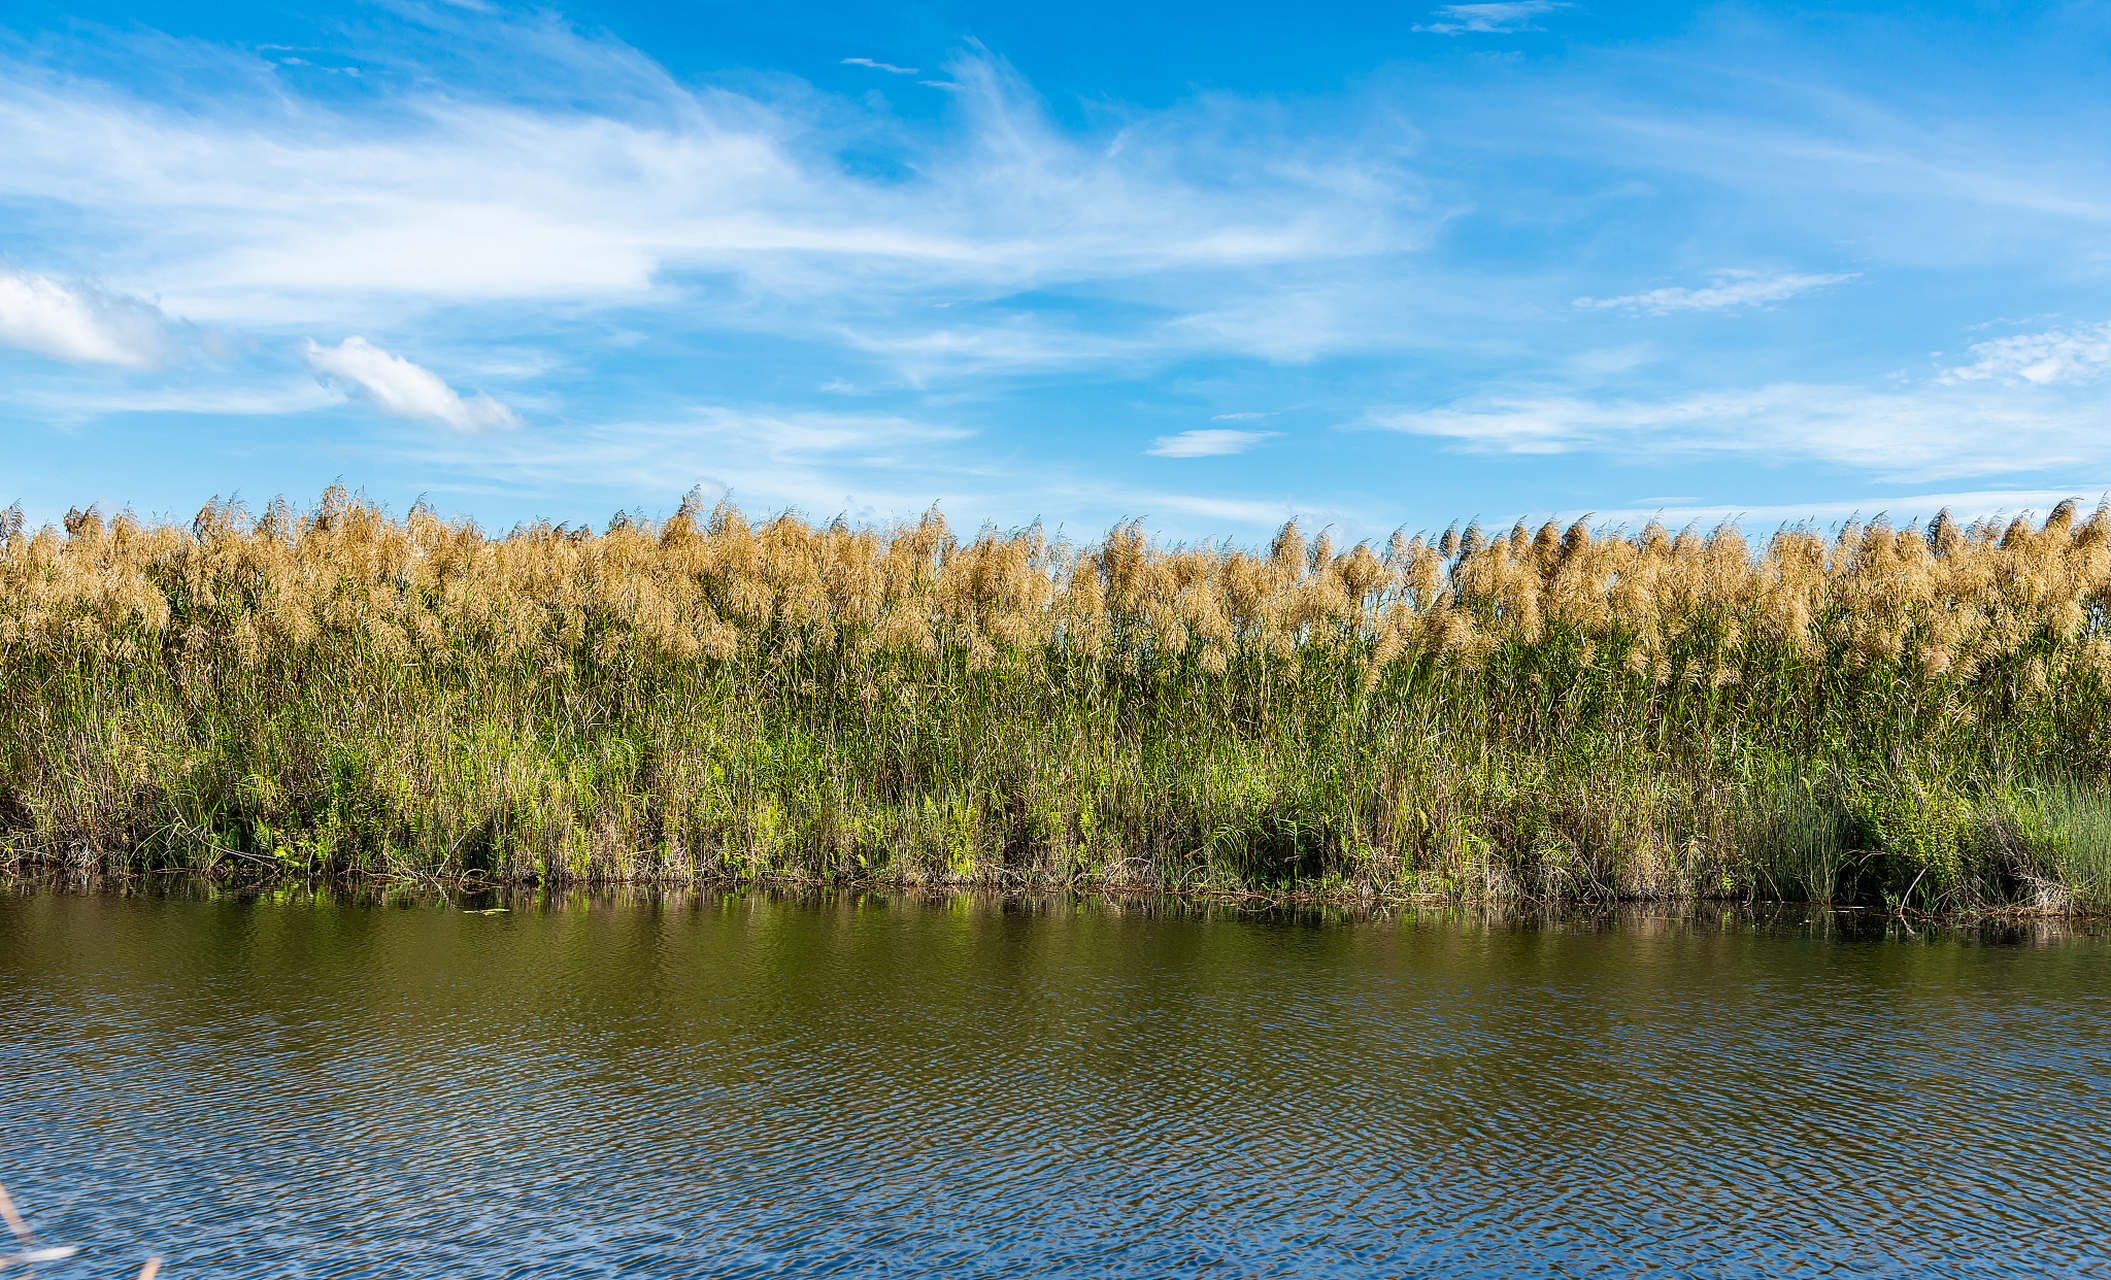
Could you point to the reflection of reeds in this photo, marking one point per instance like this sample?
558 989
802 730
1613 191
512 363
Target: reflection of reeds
28 1253
1551 711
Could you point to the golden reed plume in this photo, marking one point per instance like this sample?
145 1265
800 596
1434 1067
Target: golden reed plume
161 678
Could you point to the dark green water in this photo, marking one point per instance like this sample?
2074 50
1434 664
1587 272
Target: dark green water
749 1086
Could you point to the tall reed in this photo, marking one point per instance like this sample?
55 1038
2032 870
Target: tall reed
1548 712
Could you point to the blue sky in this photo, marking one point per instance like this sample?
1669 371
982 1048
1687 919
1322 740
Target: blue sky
1210 265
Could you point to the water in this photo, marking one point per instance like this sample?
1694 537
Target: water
747 1086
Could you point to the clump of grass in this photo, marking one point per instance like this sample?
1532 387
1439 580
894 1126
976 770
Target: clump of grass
1795 838
2074 840
1552 712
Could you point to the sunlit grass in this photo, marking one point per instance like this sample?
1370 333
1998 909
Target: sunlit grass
1551 712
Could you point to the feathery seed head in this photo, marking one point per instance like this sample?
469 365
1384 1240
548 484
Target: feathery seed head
1546 545
1288 548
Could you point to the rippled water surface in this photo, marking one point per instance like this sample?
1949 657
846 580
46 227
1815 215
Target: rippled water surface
704 1085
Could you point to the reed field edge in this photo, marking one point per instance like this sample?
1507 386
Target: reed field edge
1908 717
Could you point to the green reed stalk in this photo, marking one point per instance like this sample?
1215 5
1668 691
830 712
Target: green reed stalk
1553 714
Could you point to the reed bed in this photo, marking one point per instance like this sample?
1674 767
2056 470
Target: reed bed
1899 716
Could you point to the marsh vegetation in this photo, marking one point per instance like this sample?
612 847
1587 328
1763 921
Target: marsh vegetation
1907 716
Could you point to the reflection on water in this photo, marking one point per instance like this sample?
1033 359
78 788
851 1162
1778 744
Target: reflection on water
746 1085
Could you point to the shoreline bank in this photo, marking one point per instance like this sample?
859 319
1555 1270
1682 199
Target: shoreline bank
471 887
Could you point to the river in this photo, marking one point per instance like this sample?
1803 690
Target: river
318 1084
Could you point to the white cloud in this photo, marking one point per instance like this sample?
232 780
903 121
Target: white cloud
1992 182
1918 434
1217 224
996 344
1494 19
1254 514
1237 417
401 389
873 465
79 323
1899 508
881 66
1206 443
2042 358
1734 289
79 397
1289 325
282 209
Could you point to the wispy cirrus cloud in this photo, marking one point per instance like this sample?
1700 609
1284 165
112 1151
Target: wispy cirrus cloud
869 465
1966 505
401 389
1208 442
79 323
82 398
1907 436
881 66
1252 513
2081 354
1841 164
1501 18
265 207
1732 289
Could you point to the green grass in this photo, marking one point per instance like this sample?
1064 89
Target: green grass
328 696
2077 821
